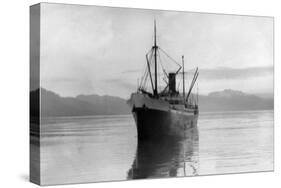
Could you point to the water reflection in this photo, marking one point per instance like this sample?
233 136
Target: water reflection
166 158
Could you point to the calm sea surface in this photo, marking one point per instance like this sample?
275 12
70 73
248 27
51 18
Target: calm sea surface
105 148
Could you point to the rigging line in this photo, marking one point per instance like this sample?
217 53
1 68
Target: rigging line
149 51
142 78
196 71
148 65
145 72
194 80
162 66
145 67
165 81
142 83
169 56
192 84
145 80
178 70
165 88
167 76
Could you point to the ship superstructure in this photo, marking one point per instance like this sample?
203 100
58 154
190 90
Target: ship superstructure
159 113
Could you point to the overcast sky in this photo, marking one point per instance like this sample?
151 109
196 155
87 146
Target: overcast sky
98 50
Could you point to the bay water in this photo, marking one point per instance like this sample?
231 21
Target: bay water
105 148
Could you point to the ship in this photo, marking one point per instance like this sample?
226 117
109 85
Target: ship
163 112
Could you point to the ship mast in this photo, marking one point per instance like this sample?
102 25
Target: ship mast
183 81
155 92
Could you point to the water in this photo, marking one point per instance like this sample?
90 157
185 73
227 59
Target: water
105 148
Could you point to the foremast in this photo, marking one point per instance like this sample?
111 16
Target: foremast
155 48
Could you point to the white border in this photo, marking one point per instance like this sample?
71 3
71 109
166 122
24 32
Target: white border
14 43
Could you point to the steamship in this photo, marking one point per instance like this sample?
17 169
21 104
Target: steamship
166 112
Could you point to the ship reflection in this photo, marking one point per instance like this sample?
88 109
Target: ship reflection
167 157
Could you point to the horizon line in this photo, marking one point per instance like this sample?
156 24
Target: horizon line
204 94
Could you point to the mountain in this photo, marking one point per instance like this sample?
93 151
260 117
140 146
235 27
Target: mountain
231 100
265 95
107 104
228 93
53 104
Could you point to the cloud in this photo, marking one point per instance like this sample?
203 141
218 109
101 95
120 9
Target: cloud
225 73
89 49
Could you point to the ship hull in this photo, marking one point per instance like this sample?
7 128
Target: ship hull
156 118
157 124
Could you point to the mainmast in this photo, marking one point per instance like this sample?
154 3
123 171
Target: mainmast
155 92
183 81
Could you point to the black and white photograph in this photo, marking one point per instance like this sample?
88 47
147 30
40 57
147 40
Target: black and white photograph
124 93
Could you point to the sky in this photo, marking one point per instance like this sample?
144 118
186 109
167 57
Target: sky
101 50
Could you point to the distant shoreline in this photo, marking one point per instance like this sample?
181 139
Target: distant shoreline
53 105
126 115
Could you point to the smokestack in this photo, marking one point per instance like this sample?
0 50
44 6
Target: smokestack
172 83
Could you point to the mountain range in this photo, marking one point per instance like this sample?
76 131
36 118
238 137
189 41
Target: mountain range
232 100
53 104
